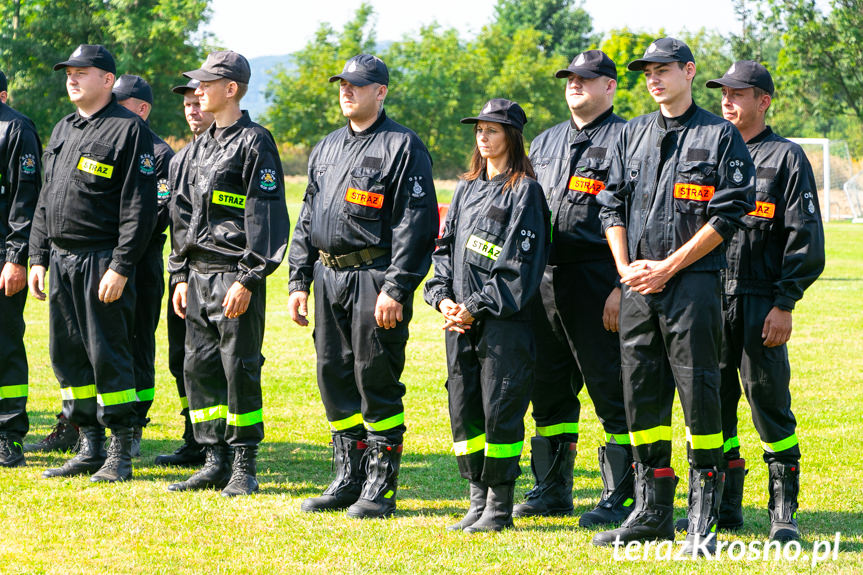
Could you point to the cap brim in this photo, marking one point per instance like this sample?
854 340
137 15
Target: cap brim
202 76
584 73
75 64
495 119
638 65
728 82
181 90
354 79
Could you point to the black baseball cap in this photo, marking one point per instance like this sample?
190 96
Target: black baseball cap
501 111
87 55
223 64
663 50
131 86
745 74
3 85
192 84
590 64
364 69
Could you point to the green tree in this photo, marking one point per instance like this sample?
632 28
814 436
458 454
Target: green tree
623 46
567 26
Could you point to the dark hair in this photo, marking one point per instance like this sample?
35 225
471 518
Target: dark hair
518 166
758 92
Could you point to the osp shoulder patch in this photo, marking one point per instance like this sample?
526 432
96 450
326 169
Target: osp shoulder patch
734 171
28 164
527 243
268 181
417 190
147 164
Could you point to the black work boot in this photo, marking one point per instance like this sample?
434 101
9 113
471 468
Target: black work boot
618 484
244 479
11 451
784 484
190 454
705 496
731 507
378 497
118 465
63 437
350 474
551 463
652 515
497 514
478 495
90 458
215 473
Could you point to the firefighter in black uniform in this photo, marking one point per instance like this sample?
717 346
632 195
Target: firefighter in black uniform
231 230
680 183
135 94
20 168
487 270
364 237
577 342
771 262
93 221
190 453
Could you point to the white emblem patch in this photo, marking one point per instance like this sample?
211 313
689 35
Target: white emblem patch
735 174
77 52
417 190
487 109
651 49
580 60
352 67
731 69
527 236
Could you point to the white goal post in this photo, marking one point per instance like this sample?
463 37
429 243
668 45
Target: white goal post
825 146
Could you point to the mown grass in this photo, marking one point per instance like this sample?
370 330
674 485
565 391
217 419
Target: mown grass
71 526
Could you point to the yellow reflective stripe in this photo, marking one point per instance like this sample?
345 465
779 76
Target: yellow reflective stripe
83 392
469 446
13 391
184 402
348 422
712 441
245 419
228 199
95 168
652 435
730 444
782 445
503 450
146 394
618 438
208 413
116 397
387 423
483 247
556 429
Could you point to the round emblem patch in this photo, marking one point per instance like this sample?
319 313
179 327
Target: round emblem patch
28 164
268 181
147 164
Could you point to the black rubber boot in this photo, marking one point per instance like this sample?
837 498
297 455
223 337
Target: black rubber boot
478 495
497 514
731 507
350 474
244 471
618 487
378 497
784 486
118 465
63 437
215 473
90 458
11 451
653 513
705 496
551 463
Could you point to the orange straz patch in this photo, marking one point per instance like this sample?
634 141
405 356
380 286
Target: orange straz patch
363 198
586 185
693 192
764 210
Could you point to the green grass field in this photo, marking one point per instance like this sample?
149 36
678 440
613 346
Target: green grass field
71 526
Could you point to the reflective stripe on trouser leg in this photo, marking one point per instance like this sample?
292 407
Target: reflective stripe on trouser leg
13 365
150 286
90 340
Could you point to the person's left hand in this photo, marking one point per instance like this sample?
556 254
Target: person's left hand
777 327
111 286
388 312
648 276
458 319
237 300
13 278
611 312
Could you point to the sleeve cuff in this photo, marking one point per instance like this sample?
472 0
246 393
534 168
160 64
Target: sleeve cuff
39 259
298 285
395 292
17 257
472 306
784 303
124 270
248 281
179 277
610 219
723 227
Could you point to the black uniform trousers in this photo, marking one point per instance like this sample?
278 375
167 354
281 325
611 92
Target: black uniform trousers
490 378
766 375
574 349
359 363
177 349
150 287
13 365
90 341
676 331
222 367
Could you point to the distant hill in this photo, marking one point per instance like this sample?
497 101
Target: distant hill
262 67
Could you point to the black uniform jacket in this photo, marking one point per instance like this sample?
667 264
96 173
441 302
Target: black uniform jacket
100 188
163 153
780 253
494 248
572 167
369 189
20 182
703 175
229 207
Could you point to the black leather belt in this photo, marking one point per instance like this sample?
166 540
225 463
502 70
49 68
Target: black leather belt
363 257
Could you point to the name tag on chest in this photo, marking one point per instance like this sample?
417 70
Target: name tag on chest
364 198
483 247
693 192
93 167
586 185
228 199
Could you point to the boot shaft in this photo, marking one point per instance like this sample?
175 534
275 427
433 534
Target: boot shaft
615 467
731 508
245 460
705 495
348 458
382 462
784 487
92 445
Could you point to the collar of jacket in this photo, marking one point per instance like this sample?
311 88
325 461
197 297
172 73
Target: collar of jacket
80 121
577 136
231 131
382 117
763 135
681 120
